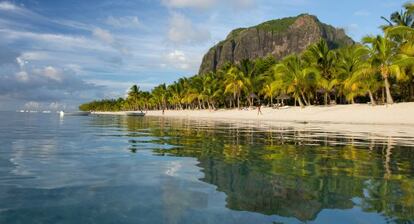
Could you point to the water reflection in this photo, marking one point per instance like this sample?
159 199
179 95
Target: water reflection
157 170
288 171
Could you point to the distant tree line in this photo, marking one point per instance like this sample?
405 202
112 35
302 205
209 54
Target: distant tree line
378 71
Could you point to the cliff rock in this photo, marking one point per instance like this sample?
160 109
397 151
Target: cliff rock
279 38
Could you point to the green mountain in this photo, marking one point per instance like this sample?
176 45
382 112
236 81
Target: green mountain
279 38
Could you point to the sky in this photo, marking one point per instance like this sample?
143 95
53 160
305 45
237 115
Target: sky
55 55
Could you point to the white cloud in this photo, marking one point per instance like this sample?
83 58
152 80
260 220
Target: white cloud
32 105
51 73
122 87
7 6
103 35
34 56
75 68
57 106
178 56
182 31
123 22
106 37
22 76
189 3
44 84
48 38
178 59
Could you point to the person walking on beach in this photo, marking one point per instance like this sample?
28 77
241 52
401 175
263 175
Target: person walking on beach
259 111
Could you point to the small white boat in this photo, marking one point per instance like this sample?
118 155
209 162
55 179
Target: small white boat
77 113
137 114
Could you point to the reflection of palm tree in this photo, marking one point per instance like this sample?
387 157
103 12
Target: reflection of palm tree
284 179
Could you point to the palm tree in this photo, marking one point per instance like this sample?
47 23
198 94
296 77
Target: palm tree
268 91
321 57
133 97
271 86
176 94
403 18
234 83
250 79
159 93
211 90
356 73
386 60
363 81
403 36
297 77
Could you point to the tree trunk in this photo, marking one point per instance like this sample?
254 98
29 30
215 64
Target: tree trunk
271 101
304 98
326 98
238 101
300 102
387 91
199 104
371 97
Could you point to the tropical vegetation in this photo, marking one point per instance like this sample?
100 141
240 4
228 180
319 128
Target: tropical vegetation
379 70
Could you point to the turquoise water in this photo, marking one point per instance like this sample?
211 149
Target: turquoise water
108 169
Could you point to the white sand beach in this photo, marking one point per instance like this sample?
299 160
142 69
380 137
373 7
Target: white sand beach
395 122
396 114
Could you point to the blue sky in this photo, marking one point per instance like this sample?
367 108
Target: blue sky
56 54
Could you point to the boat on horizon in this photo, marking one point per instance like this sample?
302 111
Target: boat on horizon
135 113
76 113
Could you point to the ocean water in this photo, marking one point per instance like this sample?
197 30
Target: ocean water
115 169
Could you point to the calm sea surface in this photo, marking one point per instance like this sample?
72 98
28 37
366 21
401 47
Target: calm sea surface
109 169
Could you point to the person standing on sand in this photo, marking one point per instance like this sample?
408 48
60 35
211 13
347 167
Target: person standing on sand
259 111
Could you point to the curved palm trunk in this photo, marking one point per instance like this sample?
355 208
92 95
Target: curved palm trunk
300 102
387 91
304 98
371 97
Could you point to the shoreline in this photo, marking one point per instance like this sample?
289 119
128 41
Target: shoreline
355 114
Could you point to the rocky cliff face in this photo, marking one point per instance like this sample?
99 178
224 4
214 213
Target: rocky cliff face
277 37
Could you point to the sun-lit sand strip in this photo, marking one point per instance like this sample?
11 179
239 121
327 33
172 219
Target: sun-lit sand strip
399 114
396 114
392 120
